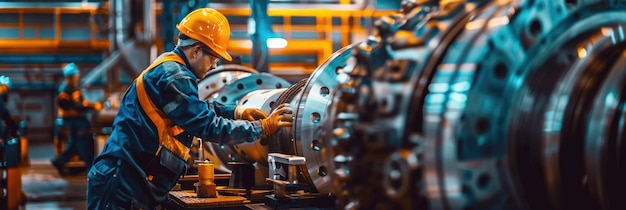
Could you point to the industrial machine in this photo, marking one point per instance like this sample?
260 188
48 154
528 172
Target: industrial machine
456 105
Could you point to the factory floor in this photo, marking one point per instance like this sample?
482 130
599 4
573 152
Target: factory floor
45 188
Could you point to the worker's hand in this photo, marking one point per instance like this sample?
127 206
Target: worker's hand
97 106
279 118
76 96
251 114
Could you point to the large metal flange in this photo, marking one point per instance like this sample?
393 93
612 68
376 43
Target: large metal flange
239 86
574 81
310 113
367 120
220 77
232 93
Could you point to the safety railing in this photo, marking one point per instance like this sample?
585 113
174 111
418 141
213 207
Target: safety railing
41 30
326 30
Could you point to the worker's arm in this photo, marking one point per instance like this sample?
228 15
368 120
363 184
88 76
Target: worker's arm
73 99
180 102
222 110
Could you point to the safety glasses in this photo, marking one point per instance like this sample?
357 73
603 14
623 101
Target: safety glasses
215 58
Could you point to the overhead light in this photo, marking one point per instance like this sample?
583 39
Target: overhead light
276 43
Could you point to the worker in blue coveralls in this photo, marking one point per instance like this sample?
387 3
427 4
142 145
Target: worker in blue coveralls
73 109
161 113
8 127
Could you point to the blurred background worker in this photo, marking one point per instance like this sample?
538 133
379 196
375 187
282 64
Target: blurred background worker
73 109
161 113
8 127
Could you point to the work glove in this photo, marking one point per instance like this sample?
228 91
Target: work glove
250 114
279 118
96 106
77 97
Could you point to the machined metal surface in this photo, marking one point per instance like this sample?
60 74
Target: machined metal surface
233 93
220 77
310 114
499 97
469 105
253 91
240 85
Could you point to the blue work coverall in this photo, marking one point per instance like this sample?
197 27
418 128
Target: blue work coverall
118 177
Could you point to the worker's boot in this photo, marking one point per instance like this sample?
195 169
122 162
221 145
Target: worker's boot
59 166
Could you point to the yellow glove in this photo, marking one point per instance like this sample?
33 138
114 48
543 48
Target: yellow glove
77 97
250 114
279 118
97 106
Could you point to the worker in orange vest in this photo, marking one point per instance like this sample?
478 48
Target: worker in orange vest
161 113
73 109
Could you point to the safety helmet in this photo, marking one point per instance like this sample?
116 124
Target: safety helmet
70 70
5 81
209 27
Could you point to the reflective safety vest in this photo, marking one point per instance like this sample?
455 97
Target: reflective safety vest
63 113
165 128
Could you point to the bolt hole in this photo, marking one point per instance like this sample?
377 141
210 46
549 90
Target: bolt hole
535 28
259 81
324 91
339 69
315 118
483 181
500 71
482 125
322 171
316 145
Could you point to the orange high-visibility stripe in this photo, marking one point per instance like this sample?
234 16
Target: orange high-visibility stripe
165 127
68 112
64 95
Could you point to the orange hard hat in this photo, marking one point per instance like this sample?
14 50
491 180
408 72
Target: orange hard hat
208 26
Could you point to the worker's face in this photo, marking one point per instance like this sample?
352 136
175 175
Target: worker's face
73 80
205 62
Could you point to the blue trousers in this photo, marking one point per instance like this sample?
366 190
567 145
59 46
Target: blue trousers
79 142
111 186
